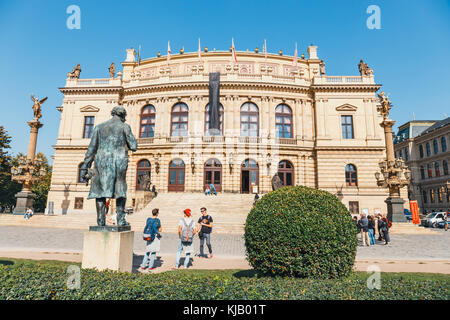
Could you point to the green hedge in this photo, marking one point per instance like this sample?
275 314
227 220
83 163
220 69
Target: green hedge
301 231
44 280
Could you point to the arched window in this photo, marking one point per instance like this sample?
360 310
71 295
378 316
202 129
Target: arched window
351 178
428 149
443 144
147 122
286 172
207 132
421 151
79 178
430 172
422 172
143 174
445 167
435 146
436 169
283 121
249 120
179 117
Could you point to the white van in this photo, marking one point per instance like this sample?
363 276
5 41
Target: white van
433 219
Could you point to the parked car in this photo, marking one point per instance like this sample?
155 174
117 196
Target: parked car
433 219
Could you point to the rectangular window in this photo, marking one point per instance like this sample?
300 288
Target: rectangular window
407 154
88 127
78 203
347 127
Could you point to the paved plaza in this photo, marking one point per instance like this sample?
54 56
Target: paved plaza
434 246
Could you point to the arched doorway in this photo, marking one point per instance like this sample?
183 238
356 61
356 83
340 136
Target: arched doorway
286 172
143 175
176 175
213 174
249 176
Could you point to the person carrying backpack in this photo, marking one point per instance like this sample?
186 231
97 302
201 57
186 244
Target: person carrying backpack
186 232
385 225
152 236
205 223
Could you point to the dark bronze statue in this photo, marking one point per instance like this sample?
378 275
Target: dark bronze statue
108 149
214 103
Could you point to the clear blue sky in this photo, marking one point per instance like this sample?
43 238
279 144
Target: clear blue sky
410 54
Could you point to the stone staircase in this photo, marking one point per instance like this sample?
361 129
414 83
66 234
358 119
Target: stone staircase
229 212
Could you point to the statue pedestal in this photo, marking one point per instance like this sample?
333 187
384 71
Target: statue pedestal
107 249
24 200
395 209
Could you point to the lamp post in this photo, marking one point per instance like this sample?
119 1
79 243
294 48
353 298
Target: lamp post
30 170
394 174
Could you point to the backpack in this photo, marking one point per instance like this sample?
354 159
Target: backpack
187 233
151 229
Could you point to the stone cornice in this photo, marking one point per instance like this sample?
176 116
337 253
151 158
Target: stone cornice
346 88
223 86
91 90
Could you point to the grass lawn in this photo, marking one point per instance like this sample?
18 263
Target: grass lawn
27 279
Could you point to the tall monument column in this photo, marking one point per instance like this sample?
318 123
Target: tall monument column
29 170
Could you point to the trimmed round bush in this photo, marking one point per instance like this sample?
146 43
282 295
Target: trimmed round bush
302 232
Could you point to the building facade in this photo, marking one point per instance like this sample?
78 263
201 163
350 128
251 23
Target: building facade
277 116
424 147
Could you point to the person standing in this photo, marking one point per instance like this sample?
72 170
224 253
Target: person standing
205 223
153 228
364 225
186 232
371 230
446 218
213 189
385 229
379 224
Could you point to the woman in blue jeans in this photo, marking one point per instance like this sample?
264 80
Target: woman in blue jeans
152 246
371 230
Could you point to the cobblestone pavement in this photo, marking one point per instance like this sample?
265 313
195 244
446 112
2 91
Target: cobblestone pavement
402 246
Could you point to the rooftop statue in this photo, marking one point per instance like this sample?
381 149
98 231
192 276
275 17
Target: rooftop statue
75 74
108 149
112 70
37 107
364 69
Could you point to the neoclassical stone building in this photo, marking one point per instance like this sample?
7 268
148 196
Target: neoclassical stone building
423 146
276 116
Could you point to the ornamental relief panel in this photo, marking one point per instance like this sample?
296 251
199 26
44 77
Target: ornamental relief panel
148 72
218 66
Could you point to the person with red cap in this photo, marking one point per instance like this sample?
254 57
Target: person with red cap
186 232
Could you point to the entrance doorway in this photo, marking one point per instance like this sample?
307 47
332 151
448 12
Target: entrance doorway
213 174
176 175
249 176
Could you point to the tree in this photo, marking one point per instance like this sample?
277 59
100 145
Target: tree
41 188
8 188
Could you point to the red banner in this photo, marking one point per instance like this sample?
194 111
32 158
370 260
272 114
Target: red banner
414 211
